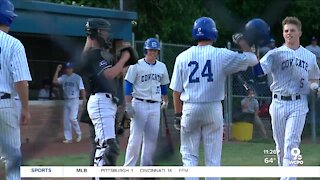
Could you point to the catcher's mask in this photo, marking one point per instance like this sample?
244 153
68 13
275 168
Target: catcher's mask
97 28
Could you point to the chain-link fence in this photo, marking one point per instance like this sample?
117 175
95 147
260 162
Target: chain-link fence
236 90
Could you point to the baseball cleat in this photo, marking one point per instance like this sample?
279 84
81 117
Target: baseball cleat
67 141
78 139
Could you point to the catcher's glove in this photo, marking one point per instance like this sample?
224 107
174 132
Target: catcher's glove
237 37
133 55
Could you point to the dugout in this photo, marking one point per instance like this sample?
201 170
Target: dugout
54 33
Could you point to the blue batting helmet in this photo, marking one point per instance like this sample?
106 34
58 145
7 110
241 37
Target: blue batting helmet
7 14
152 43
258 31
204 28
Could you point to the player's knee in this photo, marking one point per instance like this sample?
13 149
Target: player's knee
111 152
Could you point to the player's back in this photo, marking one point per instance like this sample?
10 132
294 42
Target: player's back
203 74
8 47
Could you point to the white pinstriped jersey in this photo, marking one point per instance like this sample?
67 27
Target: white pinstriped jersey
291 70
147 79
13 63
71 85
200 72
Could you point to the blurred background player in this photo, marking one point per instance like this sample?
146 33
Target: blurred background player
14 79
294 69
146 86
72 87
44 92
250 109
314 48
271 45
198 82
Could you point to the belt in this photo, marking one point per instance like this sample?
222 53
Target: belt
108 95
287 98
148 101
5 96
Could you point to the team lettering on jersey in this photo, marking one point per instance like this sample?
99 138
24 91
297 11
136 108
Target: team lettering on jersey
68 84
147 77
294 61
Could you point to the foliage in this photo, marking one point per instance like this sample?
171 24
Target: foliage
171 20
111 4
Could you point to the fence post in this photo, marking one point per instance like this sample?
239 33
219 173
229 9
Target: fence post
228 110
313 118
228 103
133 42
161 52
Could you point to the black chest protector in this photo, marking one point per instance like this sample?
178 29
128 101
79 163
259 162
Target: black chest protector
96 62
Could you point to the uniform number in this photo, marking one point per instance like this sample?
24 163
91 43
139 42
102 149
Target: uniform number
206 71
158 90
301 82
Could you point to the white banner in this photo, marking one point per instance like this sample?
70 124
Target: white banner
169 171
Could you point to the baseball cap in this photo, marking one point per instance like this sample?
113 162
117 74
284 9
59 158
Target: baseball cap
68 65
314 38
272 40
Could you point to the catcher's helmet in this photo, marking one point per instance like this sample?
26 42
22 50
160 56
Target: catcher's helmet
258 31
204 28
152 43
7 14
94 24
93 28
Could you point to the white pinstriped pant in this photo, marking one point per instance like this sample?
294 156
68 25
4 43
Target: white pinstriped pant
102 113
287 119
10 139
201 121
144 129
70 118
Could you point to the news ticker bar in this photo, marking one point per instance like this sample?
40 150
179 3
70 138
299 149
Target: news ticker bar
169 171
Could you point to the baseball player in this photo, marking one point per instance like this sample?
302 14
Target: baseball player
72 86
314 48
146 86
294 70
198 82
99 66
14 77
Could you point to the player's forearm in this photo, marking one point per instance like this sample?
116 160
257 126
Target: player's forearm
128 99
83 94
177 103
23 92
55 78
314 81
114 71
165 98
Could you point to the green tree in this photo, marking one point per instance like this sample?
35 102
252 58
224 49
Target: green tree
171 20
112 4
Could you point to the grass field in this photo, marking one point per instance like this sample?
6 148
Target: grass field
234 154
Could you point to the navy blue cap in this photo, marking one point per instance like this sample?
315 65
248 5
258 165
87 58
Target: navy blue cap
314 38
68 65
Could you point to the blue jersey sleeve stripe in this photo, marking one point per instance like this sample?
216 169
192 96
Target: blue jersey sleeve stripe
164 89
257 70
128 88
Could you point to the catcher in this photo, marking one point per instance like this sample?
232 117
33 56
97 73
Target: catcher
102 70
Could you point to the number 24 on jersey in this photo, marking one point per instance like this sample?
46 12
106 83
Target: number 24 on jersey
206 72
